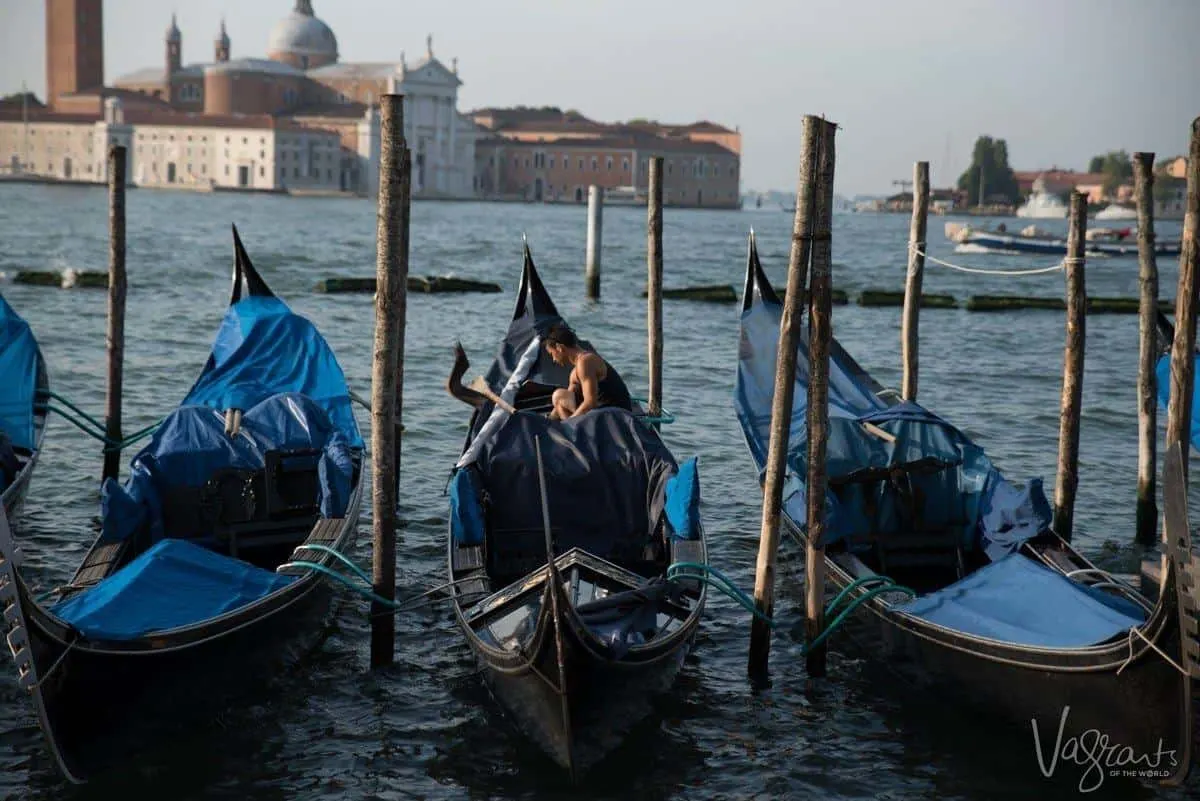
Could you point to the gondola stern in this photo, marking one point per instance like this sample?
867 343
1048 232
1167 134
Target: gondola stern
246 280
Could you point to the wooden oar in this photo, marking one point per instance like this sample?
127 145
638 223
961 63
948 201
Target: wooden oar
478 391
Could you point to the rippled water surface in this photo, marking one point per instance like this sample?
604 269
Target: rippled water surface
425 728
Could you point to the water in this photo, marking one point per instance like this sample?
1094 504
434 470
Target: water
425 728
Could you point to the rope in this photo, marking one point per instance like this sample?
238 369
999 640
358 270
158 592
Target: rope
98 432
982 271
1157 650
719 581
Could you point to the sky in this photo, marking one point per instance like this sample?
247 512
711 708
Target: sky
907 80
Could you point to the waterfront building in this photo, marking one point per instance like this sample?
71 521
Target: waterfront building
298 120
547 155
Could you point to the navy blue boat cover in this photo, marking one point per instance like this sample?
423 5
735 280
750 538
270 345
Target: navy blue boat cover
606 475
173 584
1162 372
262 349
990 512
19 361
1016 600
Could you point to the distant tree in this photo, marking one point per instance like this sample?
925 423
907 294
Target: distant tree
989 163
1115 165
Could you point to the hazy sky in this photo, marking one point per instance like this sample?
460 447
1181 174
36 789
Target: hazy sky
1061 80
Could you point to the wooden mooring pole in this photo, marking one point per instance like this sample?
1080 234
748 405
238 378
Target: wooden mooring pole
1147 504
654 270
1072 392
1183 348
820 333
781 404
910 327
391 266
595 228
115 338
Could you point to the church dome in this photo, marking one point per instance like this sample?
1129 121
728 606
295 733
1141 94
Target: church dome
302 40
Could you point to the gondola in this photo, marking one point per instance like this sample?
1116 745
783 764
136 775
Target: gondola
560 573
23 389
974 596
178 604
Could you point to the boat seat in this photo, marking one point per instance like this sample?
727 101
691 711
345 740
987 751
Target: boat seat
917 521
239 509
102 561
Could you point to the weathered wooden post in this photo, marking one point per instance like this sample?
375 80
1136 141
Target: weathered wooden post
910 343
1183 348
595 222
1147 504
820 333
391 262
654 269
1072 392
781 404
115 339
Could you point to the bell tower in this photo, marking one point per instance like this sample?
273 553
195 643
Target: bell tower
174 48
221 45
74 47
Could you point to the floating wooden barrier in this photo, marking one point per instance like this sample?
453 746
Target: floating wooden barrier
429 284
62 280
717 293
1095 305
883 297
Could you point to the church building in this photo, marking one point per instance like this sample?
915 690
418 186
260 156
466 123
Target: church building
298 119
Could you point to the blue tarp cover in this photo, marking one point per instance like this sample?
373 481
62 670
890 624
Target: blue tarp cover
191 443
19 360
466 513
969 492
1016 600
263 349
1162 372
173 584
683 501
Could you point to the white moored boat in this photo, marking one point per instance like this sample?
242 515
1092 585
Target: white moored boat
1043 206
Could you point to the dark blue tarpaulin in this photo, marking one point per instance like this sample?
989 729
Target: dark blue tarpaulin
173 584
191 444
19 360
263 349
868 437
1162 372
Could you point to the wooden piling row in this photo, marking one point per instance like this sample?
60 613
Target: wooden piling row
910 327
117 286
391 266
1072 393
654 282
1147 503
781 404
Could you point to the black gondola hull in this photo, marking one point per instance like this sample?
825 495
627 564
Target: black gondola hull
1095 700
603 699
99 702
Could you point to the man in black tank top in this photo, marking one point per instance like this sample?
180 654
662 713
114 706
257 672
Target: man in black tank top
593 383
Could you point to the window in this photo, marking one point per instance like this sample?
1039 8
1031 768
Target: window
581 164
516 161
732 170
595 162
245 140
282 173
189 167
526 162
609 164
295 172
262 172
227 142
262 154
624 164
668 168
204 169
552 162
